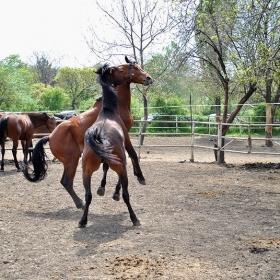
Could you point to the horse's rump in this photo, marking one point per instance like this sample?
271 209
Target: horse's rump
102 147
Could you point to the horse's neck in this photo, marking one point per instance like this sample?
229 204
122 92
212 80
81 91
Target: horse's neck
37 120
124 102
124 95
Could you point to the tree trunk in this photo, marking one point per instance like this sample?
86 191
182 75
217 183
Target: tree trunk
218 109
276 101
252 88
268 128
221 154
144 125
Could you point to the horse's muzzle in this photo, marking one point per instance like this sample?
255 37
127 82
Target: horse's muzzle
148 81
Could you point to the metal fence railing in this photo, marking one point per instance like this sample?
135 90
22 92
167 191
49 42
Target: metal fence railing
193 133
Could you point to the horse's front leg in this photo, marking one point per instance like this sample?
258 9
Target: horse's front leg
25 147
116 195
23 144
135 162
30 152
101 188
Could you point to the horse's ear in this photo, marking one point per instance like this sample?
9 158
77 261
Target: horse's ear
127 60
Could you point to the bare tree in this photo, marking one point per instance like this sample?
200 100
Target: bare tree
138 27
44 67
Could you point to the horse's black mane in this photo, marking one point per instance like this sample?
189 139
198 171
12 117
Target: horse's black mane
101 70
109 96
105 69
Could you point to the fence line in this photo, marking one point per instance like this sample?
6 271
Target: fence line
219 148
193 135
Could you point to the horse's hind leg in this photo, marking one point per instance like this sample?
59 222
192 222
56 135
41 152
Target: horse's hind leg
3 153
67 180
125 195
88 198
14 151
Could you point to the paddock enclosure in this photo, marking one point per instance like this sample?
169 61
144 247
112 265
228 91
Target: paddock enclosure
199 220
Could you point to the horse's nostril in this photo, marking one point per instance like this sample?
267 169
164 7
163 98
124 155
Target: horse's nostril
148 81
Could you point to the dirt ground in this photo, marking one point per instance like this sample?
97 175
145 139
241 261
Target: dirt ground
199 220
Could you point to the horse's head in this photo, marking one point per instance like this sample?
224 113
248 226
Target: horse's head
136 73
129 72
51 123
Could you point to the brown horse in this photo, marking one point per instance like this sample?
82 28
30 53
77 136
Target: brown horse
40 132
105 142
67 140
21 127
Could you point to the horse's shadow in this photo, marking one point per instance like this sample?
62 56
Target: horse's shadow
101 228
10 172
62 214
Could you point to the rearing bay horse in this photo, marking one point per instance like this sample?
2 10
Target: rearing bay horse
67 140
21 127
105 142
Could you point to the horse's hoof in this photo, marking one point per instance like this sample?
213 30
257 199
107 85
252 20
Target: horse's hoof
101 191
141 181
81 225
19 170
136 223
2 170
116 196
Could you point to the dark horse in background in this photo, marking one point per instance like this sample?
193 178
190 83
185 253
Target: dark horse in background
21 127
105 142
67 140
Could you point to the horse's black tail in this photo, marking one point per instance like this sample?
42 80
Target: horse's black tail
3 128
39 162
100 147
